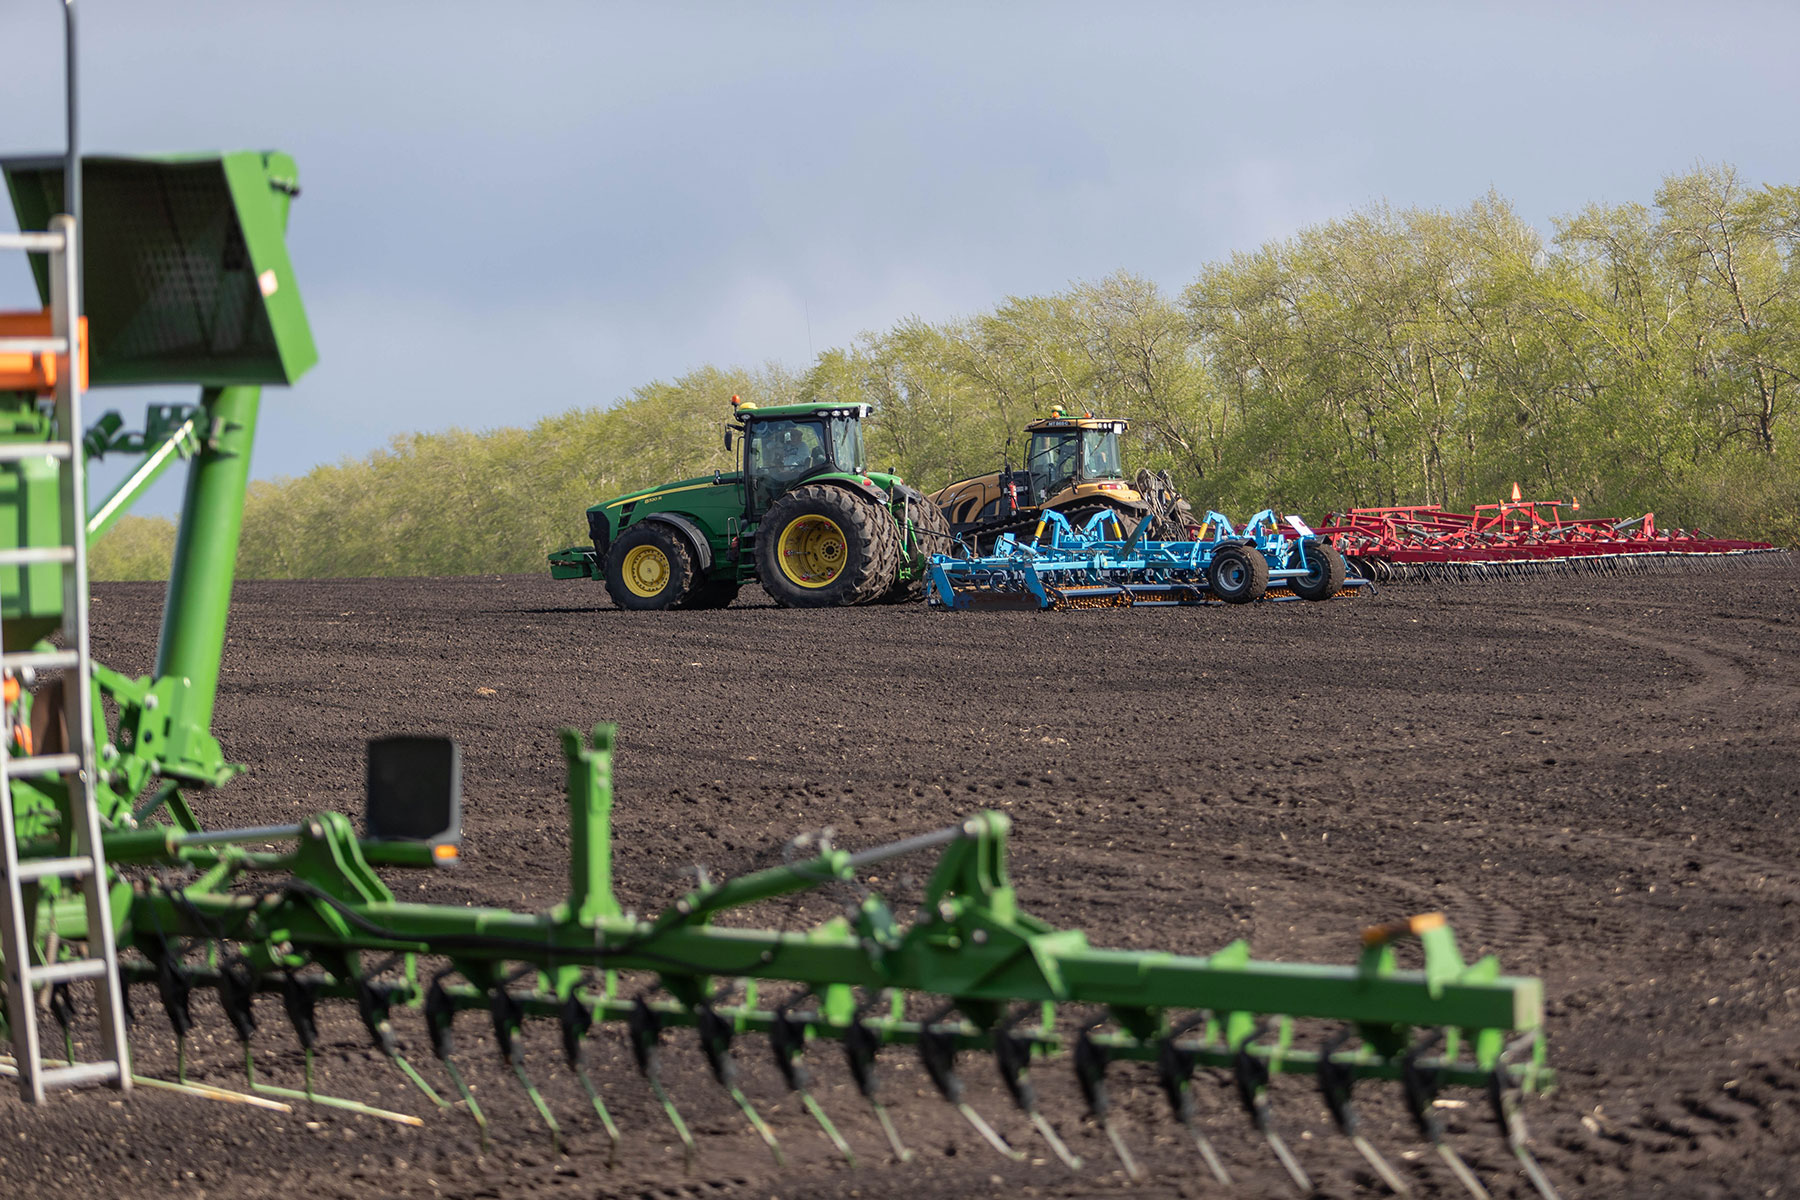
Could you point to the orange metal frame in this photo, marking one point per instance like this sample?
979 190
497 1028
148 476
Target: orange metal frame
36 372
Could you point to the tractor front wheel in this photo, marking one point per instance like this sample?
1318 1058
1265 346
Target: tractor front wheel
649 567
825 547
1238 574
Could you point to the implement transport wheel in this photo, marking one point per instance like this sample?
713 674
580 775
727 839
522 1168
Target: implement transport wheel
1238 574
931 535
649 567
826 547
1325 572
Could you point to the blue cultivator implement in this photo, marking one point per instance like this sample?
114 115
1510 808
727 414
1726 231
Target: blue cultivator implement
1097 566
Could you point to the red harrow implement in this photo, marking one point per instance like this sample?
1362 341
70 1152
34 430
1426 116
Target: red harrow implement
1519 537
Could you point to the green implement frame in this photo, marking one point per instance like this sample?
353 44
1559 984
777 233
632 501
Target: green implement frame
977 972
187 280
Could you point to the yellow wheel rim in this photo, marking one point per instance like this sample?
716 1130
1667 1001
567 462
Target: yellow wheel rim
646 571
812 551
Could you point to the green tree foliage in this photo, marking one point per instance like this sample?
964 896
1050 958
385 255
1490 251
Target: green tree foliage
134 548
1645 356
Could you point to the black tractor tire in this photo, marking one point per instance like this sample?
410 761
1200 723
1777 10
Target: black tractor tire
931 535
1325 572
649 567
1237 574
709 594
842 549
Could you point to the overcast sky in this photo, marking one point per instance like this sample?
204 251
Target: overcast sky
514 209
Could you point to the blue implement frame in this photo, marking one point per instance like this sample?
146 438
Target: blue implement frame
1097 566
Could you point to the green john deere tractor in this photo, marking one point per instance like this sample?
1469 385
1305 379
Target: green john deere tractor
804 516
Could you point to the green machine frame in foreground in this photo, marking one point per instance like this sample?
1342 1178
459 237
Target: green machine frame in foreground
969 971
187 281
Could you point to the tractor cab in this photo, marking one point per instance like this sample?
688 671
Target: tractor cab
788 444
1065 452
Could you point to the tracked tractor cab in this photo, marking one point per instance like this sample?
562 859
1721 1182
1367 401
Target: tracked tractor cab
1073 467
1062 456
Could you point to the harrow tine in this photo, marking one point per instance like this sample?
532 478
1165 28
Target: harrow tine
173 987
1013 1053
860 1047
787 1038
937 1050
577 1018
440 1015
645 1028
1091 1060
1421 1088
1175 1071
1252 1076
1503 1094
237 991
373 1002
1335 1082
715 1042
509 1020
237 995
299 997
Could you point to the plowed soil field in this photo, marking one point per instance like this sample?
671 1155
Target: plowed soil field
1597 780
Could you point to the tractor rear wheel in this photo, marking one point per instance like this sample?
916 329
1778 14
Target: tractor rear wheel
931 535
825 547
1325 571
649 567
1237 574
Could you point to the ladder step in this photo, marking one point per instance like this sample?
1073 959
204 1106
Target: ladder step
47 241
33 556
15 451
41 660
76 1074
33 345
54 868
42 764
66 972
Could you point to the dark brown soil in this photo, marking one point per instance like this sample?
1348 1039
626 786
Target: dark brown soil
1598 780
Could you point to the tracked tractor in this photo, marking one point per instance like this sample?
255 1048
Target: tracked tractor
803 515
1072 467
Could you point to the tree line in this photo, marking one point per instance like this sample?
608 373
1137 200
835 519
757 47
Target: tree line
1640 357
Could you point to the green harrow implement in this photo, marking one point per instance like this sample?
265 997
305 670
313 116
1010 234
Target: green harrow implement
967 971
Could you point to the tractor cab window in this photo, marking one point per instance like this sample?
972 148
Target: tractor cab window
1053 463
1099 454
777 454
847 444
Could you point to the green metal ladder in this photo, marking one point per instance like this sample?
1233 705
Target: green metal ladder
84 861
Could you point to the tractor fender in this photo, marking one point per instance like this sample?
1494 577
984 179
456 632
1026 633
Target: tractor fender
696 540
860 488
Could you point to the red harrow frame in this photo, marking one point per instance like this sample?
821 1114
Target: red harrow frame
1518 537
